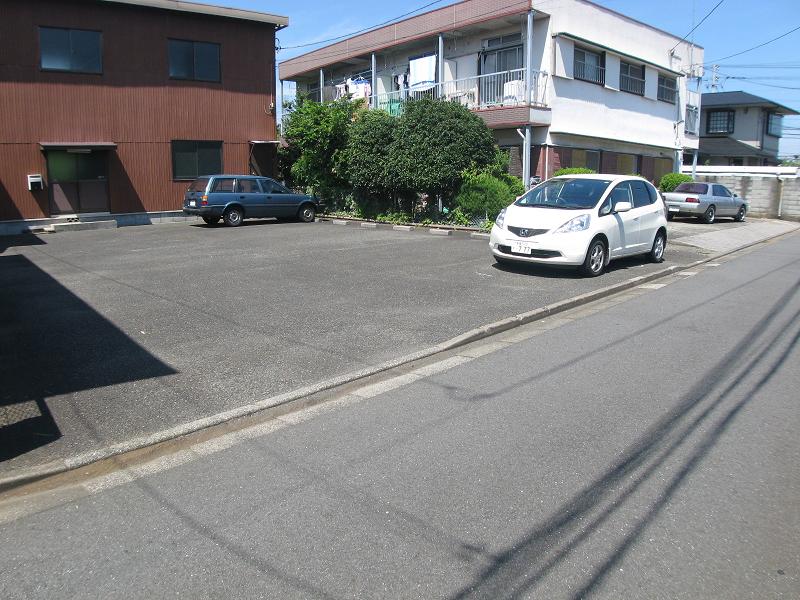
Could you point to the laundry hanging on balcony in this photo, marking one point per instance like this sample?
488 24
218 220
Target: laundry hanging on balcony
359 87
422 73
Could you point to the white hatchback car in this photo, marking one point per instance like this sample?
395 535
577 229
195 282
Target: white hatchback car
582 220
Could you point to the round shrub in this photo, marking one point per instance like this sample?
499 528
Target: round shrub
672 180
482 194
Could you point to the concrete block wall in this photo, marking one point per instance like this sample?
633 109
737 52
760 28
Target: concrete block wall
764 193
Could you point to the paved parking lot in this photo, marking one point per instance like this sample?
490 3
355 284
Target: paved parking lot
112 334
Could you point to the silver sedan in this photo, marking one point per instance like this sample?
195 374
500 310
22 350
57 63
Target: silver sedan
706 201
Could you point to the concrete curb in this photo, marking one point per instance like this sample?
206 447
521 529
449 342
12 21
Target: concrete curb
437 229
286 399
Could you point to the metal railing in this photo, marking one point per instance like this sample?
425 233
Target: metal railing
634 85
506 88
590 72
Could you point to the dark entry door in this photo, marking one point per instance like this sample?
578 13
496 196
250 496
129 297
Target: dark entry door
78 181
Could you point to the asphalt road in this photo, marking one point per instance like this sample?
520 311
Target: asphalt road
114 334
642 448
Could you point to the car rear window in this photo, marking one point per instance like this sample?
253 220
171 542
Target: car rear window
692 188
198 185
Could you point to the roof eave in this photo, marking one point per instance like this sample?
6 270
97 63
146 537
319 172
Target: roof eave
211 10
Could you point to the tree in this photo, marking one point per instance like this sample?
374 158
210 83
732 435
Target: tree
317 134
435 141
368 164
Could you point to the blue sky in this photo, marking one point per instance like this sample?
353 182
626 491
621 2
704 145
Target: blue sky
772 71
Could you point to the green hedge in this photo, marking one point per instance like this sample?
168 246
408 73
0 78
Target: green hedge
574 171
672 180
484 195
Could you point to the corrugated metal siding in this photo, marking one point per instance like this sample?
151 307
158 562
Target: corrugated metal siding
133 103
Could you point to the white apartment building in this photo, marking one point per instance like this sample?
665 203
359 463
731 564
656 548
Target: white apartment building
561 83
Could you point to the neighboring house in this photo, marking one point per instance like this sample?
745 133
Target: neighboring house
117 103
740 129
584 86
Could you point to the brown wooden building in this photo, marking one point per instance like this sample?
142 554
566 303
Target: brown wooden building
117 103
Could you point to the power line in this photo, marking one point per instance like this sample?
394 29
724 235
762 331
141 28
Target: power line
775 39
341 37
683 39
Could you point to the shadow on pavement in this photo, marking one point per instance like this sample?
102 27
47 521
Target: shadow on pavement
54 343
701 413
25 239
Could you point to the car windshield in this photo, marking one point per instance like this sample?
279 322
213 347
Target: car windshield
692 188
198 185
575 194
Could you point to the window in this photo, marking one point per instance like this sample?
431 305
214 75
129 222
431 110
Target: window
222 185
720 121
631 78
692 121
692 188
641 197
190 158
589 66
247 186
505 40
653 193
667 89
75 50
194 60
775 125
721 191
589 159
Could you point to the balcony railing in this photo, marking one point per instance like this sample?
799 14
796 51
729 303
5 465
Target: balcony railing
634 85
502 89
590 72
481 91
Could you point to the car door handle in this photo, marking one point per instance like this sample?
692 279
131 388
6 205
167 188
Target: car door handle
241 197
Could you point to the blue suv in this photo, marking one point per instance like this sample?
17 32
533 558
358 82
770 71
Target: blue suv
234 198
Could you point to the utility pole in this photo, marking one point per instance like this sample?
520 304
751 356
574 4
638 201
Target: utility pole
714 78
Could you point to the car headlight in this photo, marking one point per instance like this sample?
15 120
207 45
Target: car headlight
501 218
577 224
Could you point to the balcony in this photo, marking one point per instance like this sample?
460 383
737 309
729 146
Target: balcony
492 90
502 90
590 72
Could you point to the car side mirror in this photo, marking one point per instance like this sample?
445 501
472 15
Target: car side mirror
736 195
622 206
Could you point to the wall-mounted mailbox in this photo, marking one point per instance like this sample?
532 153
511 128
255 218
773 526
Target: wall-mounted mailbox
35 182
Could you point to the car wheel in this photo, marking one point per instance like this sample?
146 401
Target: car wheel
741 214
306 213
709 216
595 260
233 216
659 245
211 220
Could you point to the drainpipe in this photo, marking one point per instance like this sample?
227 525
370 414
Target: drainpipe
694 164
440 61
780 196
321 86
374 96
526 146
526 156
529 59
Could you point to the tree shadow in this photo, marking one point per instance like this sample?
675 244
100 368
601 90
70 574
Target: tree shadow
54 343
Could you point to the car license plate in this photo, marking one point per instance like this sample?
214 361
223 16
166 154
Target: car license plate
520 248
192 203
673 209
